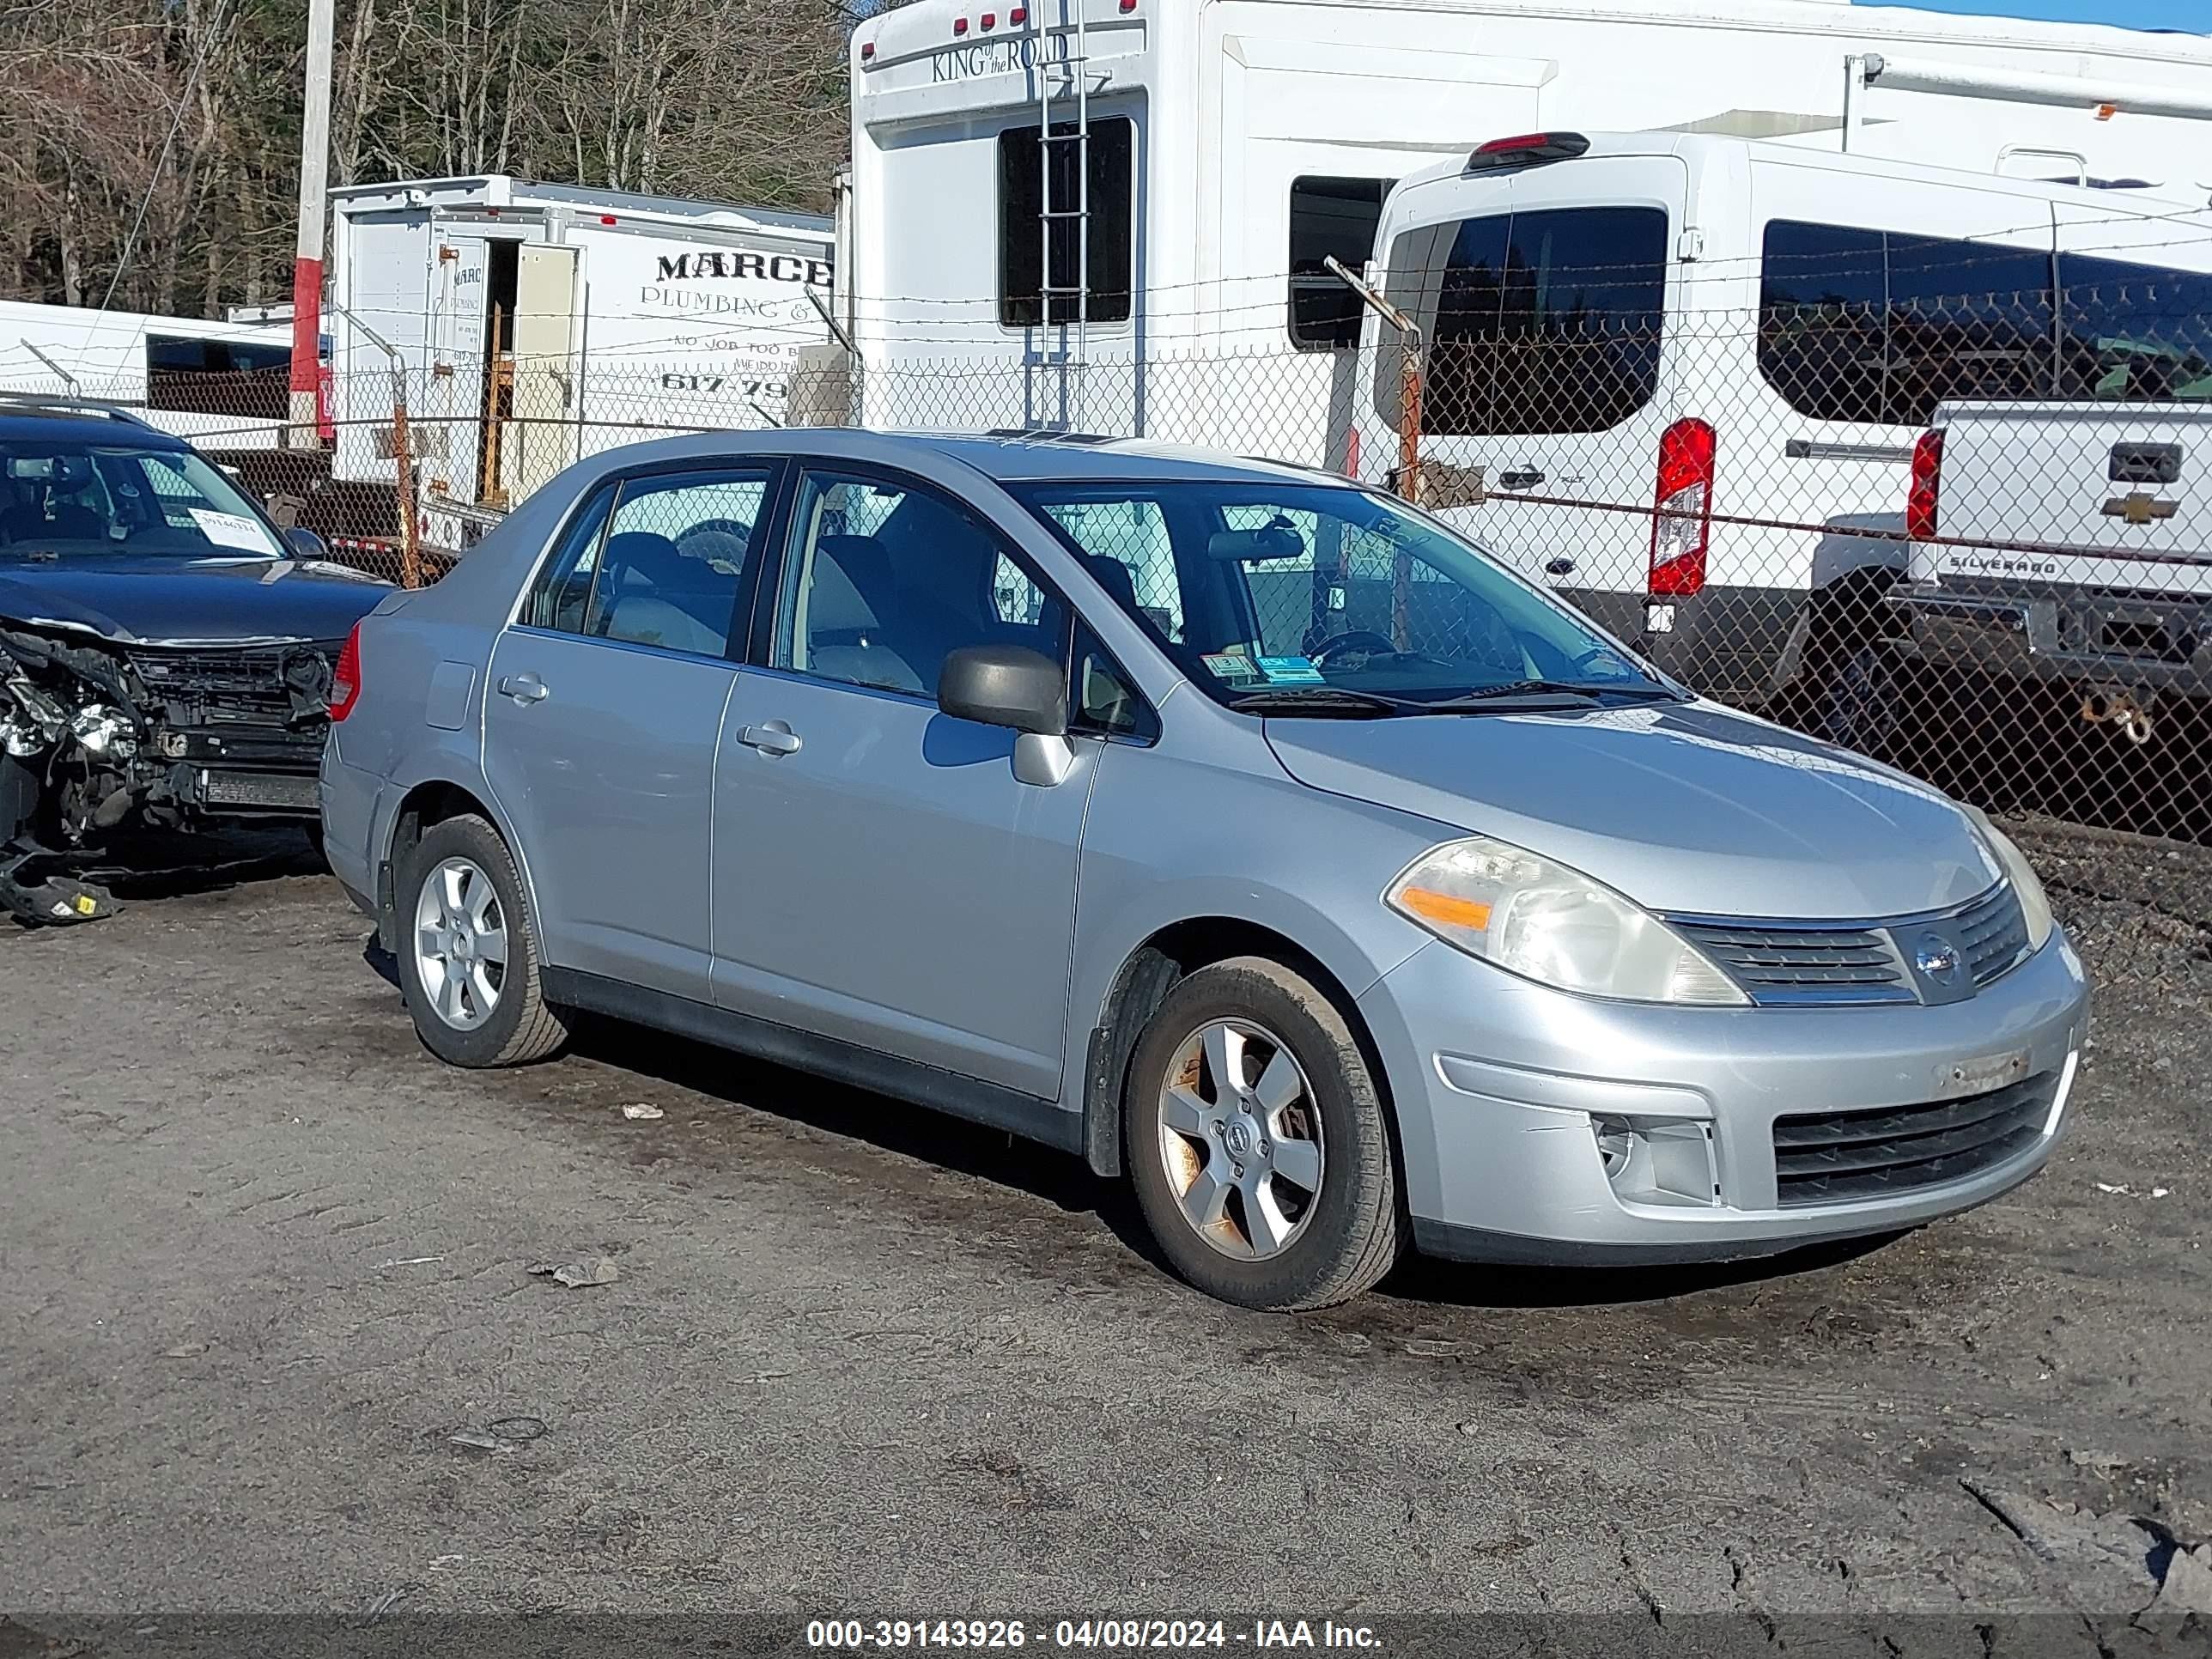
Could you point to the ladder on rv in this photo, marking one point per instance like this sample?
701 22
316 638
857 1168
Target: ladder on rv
1076 142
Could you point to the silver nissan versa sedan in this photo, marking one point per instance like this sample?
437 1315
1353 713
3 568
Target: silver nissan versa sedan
1233 827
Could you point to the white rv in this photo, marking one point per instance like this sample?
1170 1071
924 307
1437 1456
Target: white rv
221 385
538 322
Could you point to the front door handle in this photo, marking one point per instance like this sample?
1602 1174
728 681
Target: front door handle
774 737
1559 567
524 688
1526 477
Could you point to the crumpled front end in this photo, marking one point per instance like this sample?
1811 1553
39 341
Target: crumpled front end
96 735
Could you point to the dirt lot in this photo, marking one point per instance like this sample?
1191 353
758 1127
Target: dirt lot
262 1258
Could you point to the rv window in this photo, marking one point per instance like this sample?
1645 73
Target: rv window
2134 333
244 378
1879 327
1107 276
1338 216
1550 322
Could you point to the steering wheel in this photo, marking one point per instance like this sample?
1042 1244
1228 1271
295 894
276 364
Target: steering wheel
1364 639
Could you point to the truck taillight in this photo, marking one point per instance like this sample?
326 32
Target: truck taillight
1922 506
1682 510
345 679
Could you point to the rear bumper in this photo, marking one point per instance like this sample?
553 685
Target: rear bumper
1497 1083
349 797
2064 638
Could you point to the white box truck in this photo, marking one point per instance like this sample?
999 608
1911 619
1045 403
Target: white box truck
538 322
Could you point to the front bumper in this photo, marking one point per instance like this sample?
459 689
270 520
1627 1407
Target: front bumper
2065 637
1496 1081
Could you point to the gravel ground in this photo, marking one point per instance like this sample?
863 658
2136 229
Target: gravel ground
263 1258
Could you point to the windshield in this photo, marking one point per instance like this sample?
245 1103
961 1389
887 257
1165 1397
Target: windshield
1268 595
68 500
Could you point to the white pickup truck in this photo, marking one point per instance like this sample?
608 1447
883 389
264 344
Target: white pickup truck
2068 544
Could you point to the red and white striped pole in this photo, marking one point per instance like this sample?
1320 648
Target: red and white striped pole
314 195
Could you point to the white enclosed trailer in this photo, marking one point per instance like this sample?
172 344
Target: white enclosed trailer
221 385
1092 212
538 322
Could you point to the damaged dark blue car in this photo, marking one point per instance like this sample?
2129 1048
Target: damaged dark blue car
166 649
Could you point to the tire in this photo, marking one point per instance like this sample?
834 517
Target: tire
1866 702
470 1009
1285 1227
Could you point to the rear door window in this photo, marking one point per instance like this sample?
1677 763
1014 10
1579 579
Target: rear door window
1585 303
1548 321
1470 313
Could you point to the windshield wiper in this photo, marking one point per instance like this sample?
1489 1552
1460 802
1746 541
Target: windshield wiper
1489 694
1322 700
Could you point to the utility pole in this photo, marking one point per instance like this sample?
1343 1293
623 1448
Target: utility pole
314 196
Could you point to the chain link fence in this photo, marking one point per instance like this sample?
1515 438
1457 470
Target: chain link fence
1945 503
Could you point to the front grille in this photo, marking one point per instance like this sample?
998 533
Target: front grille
1828 1157
1781 964
1847 962
1993 930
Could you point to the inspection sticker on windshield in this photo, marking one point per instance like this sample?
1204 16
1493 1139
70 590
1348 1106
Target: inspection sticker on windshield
1290 671
232 530
1228 666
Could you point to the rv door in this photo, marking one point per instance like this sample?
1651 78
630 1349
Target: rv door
541 435
453 403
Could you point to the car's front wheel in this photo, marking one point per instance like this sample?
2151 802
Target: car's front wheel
468 964
1257 1142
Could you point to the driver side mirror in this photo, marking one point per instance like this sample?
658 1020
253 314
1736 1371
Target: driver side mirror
304 544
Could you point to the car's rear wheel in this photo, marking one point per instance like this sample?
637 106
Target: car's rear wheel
1257 1142
468 962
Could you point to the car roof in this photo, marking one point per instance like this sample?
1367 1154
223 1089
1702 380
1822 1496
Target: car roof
64 420
1002 457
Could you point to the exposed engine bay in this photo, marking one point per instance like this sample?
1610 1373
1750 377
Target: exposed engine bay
96 735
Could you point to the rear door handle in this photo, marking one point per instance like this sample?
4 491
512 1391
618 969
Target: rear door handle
774 737
524 688
1523 478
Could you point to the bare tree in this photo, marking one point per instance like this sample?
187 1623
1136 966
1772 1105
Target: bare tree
148 146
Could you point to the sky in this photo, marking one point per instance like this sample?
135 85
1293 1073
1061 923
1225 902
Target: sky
2130 14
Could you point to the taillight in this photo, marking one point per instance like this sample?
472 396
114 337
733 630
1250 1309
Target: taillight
1682 510
1351 453
345 679
1922 505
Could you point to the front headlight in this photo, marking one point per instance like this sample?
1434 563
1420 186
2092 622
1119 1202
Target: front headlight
1548 923
2034 903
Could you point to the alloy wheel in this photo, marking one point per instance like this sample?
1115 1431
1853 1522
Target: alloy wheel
1241 1140
460 943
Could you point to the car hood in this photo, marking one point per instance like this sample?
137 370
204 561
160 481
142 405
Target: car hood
1685 807
173 601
